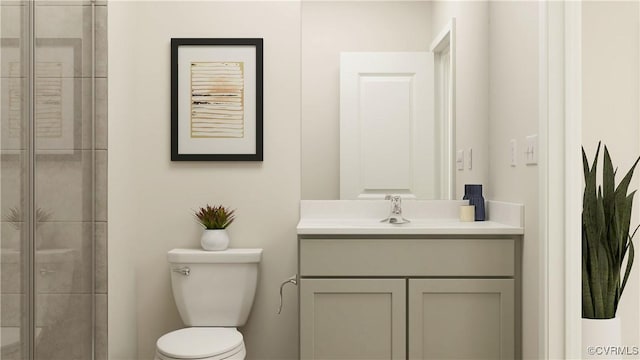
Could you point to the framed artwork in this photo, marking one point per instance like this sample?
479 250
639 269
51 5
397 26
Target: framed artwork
216 99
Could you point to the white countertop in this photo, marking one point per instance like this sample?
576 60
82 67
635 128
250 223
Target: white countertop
362 217
415 227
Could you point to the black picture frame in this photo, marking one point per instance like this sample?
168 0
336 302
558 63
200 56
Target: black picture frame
176 43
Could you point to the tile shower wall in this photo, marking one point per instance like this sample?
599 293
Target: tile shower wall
70 176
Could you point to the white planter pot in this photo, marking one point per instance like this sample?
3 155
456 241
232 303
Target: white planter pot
600 337
215 240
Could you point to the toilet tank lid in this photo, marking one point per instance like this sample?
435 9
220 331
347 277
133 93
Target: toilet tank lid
229 256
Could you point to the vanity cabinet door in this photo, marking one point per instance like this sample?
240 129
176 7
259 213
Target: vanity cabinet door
353 319
461 319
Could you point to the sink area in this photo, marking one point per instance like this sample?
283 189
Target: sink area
352 264
437 217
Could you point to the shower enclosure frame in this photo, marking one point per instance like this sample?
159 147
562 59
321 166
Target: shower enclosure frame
28 244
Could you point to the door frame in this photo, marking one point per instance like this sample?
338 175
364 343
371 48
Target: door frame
560 126
447 39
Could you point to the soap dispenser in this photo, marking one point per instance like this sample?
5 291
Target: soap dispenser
473 193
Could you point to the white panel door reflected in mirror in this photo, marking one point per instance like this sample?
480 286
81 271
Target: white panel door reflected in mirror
388 137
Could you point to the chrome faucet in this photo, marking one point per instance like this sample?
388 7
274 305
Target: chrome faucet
395 216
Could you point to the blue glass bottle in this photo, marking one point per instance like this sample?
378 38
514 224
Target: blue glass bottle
473 193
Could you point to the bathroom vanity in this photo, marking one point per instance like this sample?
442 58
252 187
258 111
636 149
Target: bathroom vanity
431 289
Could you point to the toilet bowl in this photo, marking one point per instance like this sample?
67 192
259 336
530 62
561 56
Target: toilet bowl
214 292
202 343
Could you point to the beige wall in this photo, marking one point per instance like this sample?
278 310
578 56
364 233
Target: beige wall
472 83
327 29
610 110
151 198
513 114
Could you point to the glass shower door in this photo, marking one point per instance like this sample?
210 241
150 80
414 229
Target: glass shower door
53 221
64 181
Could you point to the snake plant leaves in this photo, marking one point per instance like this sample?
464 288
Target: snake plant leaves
606 242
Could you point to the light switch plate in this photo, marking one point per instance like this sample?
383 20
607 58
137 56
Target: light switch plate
470 158
513 152
460 159
531 153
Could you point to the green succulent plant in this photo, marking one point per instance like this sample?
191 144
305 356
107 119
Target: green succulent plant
215 217
606 240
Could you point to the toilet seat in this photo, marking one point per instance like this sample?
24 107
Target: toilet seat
201 343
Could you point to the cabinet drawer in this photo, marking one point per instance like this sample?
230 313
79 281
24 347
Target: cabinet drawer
407 257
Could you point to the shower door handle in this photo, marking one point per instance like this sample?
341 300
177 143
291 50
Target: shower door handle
45 271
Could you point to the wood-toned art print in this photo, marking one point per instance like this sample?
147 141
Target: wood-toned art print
216 99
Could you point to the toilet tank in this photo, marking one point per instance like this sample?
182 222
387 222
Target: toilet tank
214 288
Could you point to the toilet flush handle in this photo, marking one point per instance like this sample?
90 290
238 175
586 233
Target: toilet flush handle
292 280
183 270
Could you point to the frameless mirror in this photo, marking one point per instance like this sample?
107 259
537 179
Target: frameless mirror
379 96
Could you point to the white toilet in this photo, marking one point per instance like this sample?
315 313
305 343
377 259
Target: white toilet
214 292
